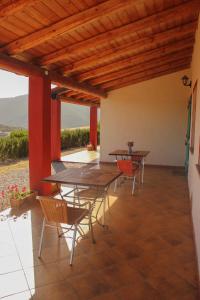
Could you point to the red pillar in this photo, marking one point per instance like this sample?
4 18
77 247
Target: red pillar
93 126
55 129
39 133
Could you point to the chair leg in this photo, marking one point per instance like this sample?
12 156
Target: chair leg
108 201
41 238
104 211
73 245
91 229
57 229
133 186
115 187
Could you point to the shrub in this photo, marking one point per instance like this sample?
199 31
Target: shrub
16 144
71 138
13 147
19 133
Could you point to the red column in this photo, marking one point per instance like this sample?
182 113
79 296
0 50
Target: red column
55 129
93 126
39 133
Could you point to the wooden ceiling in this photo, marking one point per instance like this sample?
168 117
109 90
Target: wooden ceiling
94 46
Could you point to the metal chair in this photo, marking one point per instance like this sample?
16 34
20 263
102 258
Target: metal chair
58 212
94 195
129 170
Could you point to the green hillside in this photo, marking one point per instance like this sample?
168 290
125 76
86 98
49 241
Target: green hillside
13 113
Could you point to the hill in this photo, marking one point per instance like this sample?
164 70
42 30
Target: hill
5 128
14 113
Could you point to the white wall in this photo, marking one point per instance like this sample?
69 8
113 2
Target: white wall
194 176
153 114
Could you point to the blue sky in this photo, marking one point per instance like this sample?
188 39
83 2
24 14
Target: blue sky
12 85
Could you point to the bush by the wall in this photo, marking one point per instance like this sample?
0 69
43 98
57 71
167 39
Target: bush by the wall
16 144
74 138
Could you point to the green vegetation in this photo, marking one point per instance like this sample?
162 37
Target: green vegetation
16 144
74 138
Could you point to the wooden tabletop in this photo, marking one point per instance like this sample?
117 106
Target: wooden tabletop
93 176
126 153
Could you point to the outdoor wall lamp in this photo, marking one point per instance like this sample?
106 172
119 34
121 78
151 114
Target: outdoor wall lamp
186 81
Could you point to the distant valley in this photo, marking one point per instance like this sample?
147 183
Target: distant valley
14 113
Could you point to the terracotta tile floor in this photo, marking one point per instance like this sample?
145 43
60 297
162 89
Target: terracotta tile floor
147 252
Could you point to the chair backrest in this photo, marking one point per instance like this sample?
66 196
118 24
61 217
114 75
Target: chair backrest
125 166
54 210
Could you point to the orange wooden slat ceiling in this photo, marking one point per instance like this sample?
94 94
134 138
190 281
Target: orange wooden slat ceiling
105 43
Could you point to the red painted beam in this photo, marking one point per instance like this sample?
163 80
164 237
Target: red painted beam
93 126
39 133
55 129
14 65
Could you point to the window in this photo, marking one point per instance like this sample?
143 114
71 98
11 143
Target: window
194 100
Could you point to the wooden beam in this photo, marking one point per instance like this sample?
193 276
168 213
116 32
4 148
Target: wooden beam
71 93
184 10
77 95
76 101
75 85
142 74
82 96
13 6
180 32
67 25
16 66
137 59
148 77
57 91
187 53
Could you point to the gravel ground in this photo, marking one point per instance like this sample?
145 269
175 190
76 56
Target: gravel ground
19 177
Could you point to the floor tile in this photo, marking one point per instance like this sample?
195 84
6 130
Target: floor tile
12 283
147 253
59 291
89 285
9 264
20 296
43 274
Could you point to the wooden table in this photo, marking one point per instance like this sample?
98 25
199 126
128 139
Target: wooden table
90 175
94 176
135 156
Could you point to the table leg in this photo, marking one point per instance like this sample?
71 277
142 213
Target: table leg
59 189
142 170
104 198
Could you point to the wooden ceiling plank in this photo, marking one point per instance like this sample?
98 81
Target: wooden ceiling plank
66 25
71 93
164 37
136 59
14 6
73 84
152 76
142 74
184 9
149 65
76 101
16 66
